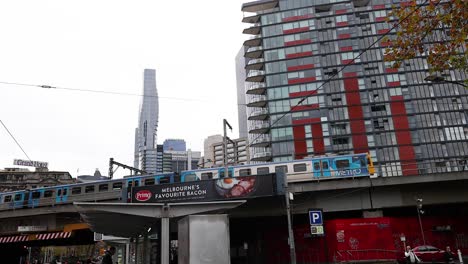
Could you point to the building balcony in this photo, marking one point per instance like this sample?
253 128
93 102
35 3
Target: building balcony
260 128
254 41
255 76
253 30
257 88
251 19
257 101
260 5
262 156
261 114
254 52
255 64
261 141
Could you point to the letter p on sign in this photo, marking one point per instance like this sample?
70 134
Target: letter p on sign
315 217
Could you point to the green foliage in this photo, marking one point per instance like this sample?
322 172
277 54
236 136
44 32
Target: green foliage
438 29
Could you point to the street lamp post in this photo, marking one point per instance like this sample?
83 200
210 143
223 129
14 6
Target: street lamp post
441 79
420 211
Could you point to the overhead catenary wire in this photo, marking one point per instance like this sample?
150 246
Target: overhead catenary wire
16 141
99 91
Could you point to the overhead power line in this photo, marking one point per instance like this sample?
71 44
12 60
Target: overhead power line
44 86
16 141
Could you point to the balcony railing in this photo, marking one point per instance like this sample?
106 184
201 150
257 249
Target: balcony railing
254 41
260 114
261 141
257 101
254 52
257 88
254 30
259 128
262 156
255 76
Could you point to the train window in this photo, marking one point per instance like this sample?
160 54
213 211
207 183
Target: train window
300 167
207 176
190 177
176 177
221 173
283 168
59 192
76 190
103 187
316 166
164 180
89 189
48 193
325 165
150 181
245 172
263 170
36 195
18 197
137 183
7 199
117 186
65 191
129 183
342 164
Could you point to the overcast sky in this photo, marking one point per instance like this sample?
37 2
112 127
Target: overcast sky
105 45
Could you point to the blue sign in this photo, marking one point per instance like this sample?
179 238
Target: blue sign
315 217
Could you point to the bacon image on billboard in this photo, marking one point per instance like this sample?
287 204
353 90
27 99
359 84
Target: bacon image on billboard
235 187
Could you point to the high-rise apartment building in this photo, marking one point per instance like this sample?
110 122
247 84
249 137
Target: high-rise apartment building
145 134
310 92
237 152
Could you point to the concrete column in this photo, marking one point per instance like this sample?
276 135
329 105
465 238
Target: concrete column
136 249
145 257
127 253
165 240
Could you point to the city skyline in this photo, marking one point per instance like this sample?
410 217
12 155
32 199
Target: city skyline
70 46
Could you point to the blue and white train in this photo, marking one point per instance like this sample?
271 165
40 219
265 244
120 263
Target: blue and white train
310 169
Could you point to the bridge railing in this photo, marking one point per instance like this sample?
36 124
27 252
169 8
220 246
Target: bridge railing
344 256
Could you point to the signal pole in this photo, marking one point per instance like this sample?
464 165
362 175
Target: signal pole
225 123
292 247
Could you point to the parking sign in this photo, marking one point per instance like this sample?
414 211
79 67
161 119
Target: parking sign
315 217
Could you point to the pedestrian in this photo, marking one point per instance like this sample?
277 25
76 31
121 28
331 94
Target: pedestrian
410 256
108 256
449 256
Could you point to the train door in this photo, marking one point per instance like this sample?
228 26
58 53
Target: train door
34 198
230 172
61 194
321 168
18 200
133 183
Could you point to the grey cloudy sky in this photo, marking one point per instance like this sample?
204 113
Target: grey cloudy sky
105 45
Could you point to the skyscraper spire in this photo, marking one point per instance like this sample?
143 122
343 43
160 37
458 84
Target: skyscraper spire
146 133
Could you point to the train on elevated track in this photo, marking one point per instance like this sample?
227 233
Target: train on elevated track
309 169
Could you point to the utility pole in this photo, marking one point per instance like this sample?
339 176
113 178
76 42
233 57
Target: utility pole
420 211
292 247
132 170
225 123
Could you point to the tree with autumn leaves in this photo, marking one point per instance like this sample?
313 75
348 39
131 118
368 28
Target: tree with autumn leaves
436 28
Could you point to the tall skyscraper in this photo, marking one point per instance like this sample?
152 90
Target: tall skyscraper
145 134
310 92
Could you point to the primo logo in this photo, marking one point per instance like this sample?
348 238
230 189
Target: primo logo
143 195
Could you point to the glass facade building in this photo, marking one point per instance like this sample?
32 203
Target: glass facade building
145 134
317 84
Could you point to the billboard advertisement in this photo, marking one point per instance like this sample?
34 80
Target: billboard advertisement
30 163
207 190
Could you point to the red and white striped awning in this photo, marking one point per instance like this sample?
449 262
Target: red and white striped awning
13 239
57 235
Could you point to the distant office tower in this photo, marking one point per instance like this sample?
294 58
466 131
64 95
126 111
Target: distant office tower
145 134
208 153
317 84
241 105
174 144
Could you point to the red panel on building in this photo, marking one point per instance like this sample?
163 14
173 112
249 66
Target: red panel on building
301 80
304 107
301 67
383 31
380 19
302 94
298 55
344 36
391 70
317 136
347 61
342 11
358 129
394 84
300 146
403 136
385 43
350 74
297 42
342 24
347 48
294 18
375 7
296 30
